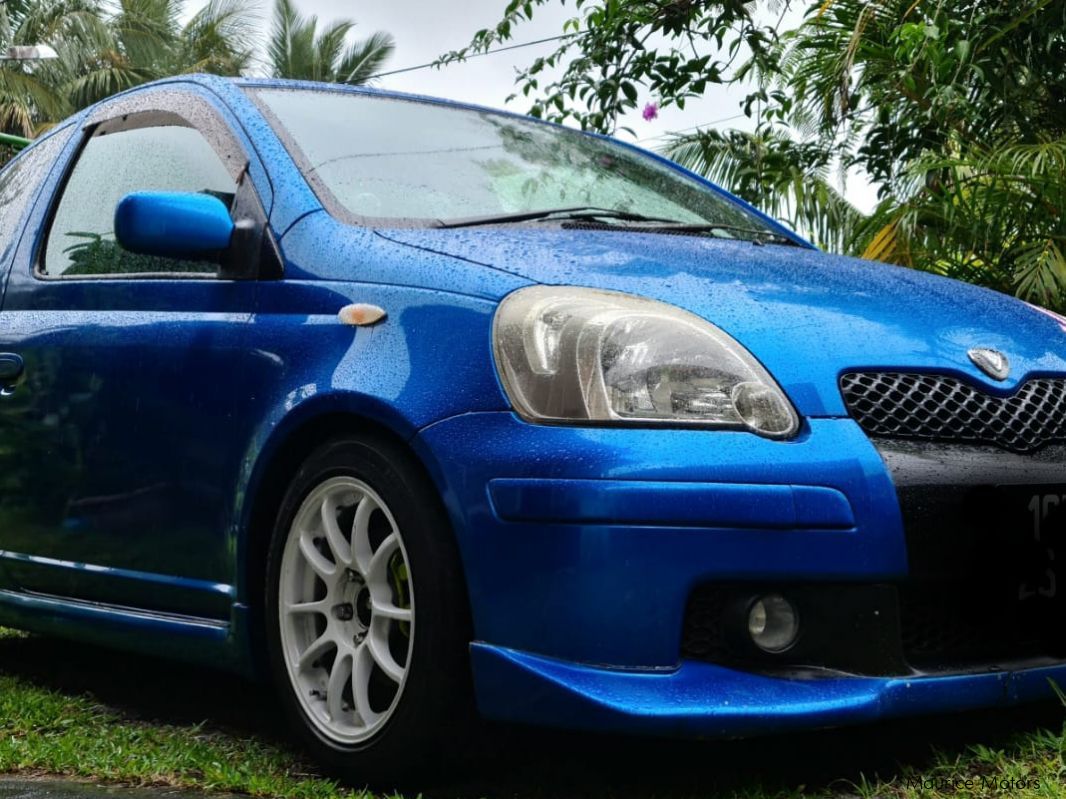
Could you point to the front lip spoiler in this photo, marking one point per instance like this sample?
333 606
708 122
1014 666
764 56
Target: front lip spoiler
701 699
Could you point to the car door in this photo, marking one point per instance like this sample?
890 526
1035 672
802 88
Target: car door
124 438
20 183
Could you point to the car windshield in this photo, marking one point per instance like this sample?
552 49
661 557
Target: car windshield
380 160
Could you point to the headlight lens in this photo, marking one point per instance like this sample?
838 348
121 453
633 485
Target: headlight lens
570 354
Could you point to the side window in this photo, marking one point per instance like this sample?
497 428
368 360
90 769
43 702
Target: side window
111 165
19 184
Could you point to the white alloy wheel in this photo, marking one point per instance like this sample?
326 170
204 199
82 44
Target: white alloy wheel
346 610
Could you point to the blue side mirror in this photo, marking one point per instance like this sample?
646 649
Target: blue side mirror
173 224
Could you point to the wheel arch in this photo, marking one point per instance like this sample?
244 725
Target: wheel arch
288 446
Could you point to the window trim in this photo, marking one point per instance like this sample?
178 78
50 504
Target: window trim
132 113
57 136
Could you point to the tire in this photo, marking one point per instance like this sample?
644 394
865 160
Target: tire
371 665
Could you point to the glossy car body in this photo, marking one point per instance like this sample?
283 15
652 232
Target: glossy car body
157 422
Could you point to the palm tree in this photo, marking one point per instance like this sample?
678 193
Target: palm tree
31 94
990 215
142 40
106 46
955 108
789 180
297 50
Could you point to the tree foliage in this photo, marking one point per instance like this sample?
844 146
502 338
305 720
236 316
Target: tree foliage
612 50
955 108
28 97
958 111
788 179
142 40
106 46
298 50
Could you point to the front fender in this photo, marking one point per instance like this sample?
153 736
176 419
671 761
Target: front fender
429 359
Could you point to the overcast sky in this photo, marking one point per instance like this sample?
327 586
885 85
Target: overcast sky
424 29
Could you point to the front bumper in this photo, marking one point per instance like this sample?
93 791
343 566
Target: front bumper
583 548
701 699
599 535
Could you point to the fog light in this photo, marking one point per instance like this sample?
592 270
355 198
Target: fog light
773 623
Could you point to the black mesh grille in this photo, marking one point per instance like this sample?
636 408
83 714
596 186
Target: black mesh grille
881 629
945 624
703 637
936 623
934 407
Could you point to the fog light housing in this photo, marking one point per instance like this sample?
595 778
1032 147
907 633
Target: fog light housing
773 623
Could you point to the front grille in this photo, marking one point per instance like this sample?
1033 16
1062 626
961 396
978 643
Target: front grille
880 629
843 626
703 635
936 622
949 624
939 408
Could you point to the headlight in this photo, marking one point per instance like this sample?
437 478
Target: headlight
569 354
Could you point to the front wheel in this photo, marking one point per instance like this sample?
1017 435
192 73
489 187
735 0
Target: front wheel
367 614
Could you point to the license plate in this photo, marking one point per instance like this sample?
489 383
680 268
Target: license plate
1036 516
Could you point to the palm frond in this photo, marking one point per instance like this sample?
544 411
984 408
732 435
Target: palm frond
220 38
363 59
296 49
328 47
280 45
1041 272
788 180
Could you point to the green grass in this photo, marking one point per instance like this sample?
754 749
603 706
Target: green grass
44 731
84 713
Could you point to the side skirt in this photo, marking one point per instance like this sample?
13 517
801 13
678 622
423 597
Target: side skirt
208 642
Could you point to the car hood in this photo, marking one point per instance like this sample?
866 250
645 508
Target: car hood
808 316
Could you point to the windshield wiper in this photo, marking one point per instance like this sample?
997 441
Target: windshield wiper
753 235
575 213
589 216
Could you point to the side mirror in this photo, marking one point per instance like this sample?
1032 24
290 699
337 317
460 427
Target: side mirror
173 224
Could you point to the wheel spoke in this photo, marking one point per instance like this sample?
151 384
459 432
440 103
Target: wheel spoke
317 649
342 549
321 607
376 573
315 559
378 645
361 549
338 678
390 611
362 668
335 577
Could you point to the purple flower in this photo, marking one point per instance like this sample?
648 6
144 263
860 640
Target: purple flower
651 111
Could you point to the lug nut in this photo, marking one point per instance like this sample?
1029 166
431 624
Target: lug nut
343 611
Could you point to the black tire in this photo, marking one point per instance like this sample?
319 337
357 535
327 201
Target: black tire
435 707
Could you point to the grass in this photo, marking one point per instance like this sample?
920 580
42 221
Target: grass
71 710
44 731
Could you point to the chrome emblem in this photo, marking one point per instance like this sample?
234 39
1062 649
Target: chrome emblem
992 362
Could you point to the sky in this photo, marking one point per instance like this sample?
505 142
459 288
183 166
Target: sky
425 29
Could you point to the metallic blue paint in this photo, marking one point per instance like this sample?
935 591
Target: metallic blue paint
150 412
807 316
622 588
172 224
700 699
660 503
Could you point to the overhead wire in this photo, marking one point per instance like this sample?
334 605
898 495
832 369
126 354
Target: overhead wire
438 63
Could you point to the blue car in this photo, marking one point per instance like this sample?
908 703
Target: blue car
414 408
